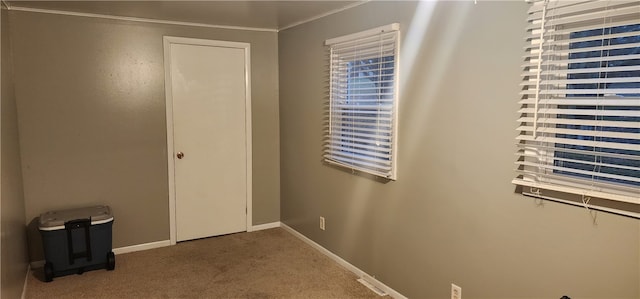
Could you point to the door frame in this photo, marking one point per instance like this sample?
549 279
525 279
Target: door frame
168 41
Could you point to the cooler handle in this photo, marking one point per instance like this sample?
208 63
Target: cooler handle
75 224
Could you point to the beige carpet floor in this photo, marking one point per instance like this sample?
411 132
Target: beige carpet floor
265 264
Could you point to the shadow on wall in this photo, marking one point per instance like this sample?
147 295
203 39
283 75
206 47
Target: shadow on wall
34 240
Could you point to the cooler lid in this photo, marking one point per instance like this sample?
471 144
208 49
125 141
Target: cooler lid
54 220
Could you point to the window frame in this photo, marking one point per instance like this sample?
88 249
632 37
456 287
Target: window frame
544 180
333 112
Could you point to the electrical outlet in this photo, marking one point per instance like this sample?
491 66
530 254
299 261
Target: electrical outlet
321 223
456 292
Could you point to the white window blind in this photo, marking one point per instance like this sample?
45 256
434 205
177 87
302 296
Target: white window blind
580 106
360 133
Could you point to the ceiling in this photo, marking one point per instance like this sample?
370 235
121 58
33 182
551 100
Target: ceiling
255 14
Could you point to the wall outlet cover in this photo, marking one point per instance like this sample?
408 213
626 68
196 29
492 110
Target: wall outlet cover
456 292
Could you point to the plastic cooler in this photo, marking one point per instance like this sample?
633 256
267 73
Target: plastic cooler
77 240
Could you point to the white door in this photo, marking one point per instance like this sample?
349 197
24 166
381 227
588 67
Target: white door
208 100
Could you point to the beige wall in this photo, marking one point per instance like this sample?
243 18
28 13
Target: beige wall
91 105
13 244
452 215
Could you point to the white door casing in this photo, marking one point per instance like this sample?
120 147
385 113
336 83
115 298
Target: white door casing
208 102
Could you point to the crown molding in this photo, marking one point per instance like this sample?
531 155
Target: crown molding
136 19
335 11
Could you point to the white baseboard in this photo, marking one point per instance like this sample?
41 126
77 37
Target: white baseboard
121 250
141 247
37 264
26 278
264 226
368 278
375 289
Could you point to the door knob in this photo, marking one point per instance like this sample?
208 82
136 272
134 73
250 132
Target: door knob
179 155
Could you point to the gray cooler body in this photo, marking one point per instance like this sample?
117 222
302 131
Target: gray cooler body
77 240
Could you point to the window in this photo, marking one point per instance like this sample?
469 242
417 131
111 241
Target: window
611 168
363 101
580 115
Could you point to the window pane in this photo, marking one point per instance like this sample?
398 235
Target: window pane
598 163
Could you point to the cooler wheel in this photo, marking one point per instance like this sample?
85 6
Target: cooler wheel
48 272
111 261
